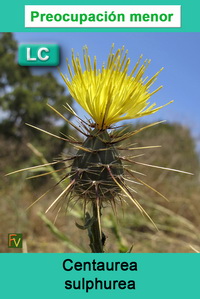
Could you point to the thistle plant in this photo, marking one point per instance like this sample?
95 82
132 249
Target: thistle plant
97 174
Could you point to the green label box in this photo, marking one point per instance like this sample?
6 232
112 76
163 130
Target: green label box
38 55
15 240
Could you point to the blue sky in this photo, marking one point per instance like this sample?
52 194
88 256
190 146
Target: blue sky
178 53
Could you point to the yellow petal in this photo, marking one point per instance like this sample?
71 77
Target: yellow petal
110 95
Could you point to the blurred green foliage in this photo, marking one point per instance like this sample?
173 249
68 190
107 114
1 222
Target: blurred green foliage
23 99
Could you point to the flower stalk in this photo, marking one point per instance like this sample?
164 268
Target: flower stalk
95 234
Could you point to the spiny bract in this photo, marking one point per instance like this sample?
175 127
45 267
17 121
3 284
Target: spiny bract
90 167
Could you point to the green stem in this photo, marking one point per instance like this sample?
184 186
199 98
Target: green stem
97 237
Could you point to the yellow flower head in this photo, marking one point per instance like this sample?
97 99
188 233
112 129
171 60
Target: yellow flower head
111 94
